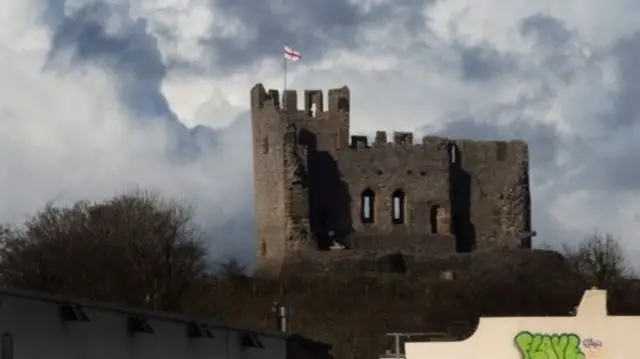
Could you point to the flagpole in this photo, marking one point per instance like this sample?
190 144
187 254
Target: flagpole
284 88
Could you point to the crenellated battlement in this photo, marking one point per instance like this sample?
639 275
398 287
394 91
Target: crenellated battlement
313 106
498 150
399 139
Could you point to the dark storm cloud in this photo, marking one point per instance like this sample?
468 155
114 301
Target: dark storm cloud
308 25
553 40
547 30
132 55
627 52
617 168
616 172
484 63
619 173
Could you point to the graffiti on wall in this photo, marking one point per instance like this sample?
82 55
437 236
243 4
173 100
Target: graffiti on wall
592 344
554 346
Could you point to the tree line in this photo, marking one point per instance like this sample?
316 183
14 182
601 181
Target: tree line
143 249
137 248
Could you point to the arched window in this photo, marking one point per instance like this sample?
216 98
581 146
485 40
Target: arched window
435 213
433 217
397 209
367 202
454 153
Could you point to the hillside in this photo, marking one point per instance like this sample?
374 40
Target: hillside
353 312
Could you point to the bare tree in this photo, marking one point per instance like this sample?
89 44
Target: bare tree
136 248
231 268
600 259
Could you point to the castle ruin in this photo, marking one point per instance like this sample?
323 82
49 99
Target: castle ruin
317 187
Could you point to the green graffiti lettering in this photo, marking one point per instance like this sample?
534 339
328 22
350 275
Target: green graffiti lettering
523 342
560 342
573 351
548 346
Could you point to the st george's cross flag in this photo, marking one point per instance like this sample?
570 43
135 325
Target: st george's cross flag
291 54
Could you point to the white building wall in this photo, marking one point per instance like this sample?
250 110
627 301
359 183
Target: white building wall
38 331
591 334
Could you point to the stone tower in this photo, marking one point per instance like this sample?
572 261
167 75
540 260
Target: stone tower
317 187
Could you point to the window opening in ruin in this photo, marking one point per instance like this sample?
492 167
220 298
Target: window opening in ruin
433 218
265 145
453 153
343 104
263 249
367 205
397 202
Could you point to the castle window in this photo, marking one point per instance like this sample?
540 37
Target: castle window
433 218
454 153
265 145
263 249
397 202
367 202
439 219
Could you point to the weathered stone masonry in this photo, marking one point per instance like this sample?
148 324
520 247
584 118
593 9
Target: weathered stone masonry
316 184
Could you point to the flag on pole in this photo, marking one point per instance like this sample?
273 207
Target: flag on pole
291 54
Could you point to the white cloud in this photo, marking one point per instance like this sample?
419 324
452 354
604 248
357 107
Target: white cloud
68 134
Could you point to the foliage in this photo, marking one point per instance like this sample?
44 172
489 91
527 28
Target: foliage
231 268
136 248
599 259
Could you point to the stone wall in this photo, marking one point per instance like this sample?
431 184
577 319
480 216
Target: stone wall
491 179
479 264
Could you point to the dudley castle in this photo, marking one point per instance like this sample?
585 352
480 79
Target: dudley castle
318 188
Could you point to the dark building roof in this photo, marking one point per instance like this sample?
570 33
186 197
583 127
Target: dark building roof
114 308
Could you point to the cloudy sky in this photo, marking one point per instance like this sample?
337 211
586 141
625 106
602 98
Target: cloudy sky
100 96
